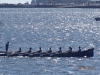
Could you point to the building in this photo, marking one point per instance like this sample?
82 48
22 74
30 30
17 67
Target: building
46 2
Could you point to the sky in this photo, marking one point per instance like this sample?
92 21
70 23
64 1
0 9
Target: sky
19 1
15 1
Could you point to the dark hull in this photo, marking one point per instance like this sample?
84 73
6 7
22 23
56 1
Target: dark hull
3 54
86 53
97 19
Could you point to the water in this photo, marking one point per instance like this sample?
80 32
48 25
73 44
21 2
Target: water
49 28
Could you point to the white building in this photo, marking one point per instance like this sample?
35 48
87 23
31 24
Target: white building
59 1
95 2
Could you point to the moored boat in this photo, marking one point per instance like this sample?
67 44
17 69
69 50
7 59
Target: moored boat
97 18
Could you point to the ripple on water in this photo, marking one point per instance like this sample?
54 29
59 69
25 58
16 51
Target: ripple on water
49 28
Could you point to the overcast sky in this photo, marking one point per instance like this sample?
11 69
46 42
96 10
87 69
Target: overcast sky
20 1
15 1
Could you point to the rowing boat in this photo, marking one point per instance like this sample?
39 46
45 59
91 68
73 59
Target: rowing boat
97 18
85 53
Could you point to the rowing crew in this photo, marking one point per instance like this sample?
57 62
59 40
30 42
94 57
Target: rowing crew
40 51
49 51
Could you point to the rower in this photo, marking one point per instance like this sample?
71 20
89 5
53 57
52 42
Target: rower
40 51
30 50
70 49
79 49
50 51
19 50
60 51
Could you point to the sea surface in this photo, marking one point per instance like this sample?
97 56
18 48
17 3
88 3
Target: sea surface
45 28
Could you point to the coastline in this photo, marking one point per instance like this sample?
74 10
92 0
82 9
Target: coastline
47 6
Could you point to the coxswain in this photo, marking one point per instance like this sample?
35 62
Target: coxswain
6 46
79 49
60 51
